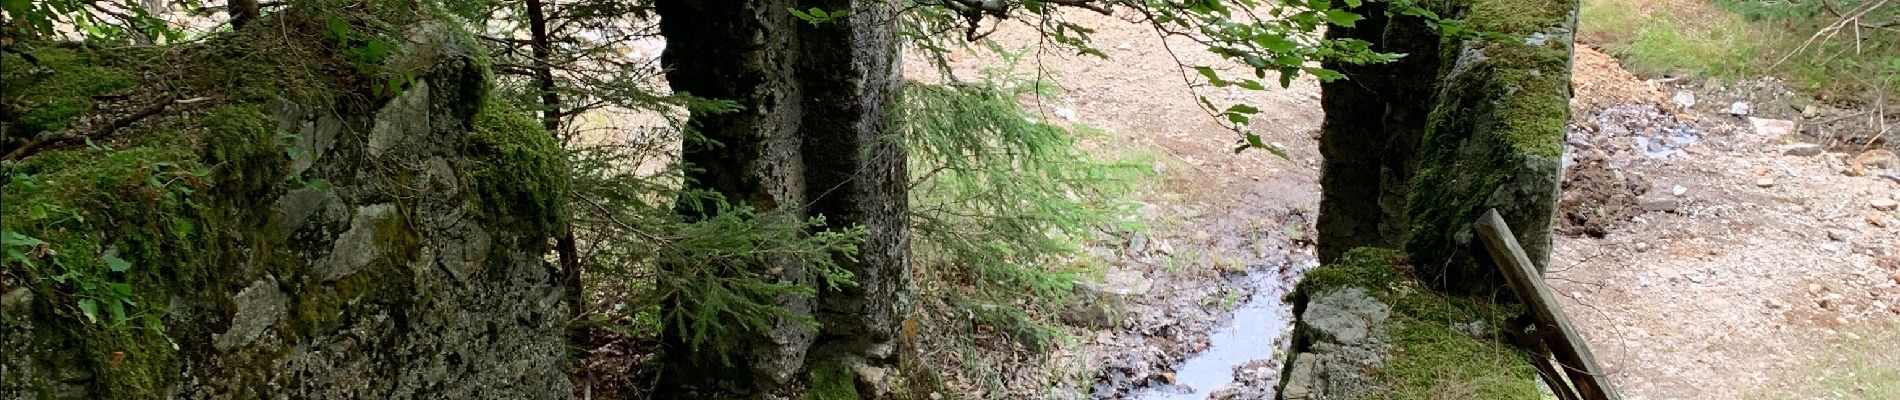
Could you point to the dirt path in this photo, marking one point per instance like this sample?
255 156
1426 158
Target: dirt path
1725 290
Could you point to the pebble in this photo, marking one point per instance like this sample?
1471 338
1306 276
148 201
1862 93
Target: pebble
1836 235
1883 204
1678 190
1684 99
1661 205
1771 128
1811 112
1642 247
1803 150
1739 109
1765 182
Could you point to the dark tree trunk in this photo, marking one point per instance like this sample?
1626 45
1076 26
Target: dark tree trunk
814 139
742 51
856 176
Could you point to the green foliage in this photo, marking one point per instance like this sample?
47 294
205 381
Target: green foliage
721 272
1802 42
1000 195
99 20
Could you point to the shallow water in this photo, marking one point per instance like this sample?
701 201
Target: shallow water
1252 335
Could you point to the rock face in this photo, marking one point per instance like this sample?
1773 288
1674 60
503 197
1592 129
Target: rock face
1343 330
392 248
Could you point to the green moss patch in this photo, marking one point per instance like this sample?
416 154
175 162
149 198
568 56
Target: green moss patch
520 169
49 95
1431 356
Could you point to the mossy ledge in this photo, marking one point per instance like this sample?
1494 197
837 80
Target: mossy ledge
1369 330
295 232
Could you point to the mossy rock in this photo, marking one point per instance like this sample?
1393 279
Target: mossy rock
1417 344
255 243
1494 140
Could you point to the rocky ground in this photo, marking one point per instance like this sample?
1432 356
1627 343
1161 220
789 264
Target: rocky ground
1717 251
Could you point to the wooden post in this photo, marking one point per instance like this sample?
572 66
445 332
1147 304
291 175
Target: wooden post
1569 347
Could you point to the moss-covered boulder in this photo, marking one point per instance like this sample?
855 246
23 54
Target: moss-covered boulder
1367 329
306 219
1416 150
1494 140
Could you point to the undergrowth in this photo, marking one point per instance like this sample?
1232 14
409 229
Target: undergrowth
1001 203
1741 39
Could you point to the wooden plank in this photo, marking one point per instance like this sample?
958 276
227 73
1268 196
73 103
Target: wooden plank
1525 280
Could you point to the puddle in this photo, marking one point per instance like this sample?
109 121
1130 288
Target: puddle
1252 335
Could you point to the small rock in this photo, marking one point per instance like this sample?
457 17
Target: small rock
1811 111
1878 219
1661 204
1836 235
1642 247
1878 159
1883 204
1765 182
1803 150
1684 99
1678 190
1771 128
1739 109
1066 113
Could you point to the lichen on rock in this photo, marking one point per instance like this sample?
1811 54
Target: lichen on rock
269 240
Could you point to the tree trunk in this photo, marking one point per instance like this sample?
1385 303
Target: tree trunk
856 176
741 51
813 139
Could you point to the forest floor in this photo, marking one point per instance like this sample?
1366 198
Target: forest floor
1706 264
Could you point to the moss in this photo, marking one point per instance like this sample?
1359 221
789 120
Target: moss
831 380
1422 337
519 178
47 97
1495 125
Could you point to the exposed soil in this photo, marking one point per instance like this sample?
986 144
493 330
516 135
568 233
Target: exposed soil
1739 263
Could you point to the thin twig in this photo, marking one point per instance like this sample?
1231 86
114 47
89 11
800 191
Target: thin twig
97 132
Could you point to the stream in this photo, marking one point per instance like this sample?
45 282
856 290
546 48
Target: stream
1253 334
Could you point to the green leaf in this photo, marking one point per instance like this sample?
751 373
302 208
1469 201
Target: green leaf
117 310
18 8
11 238
1276 43
121 290
89 308
318 184
1212 77
1242 109
117 264
1343 18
